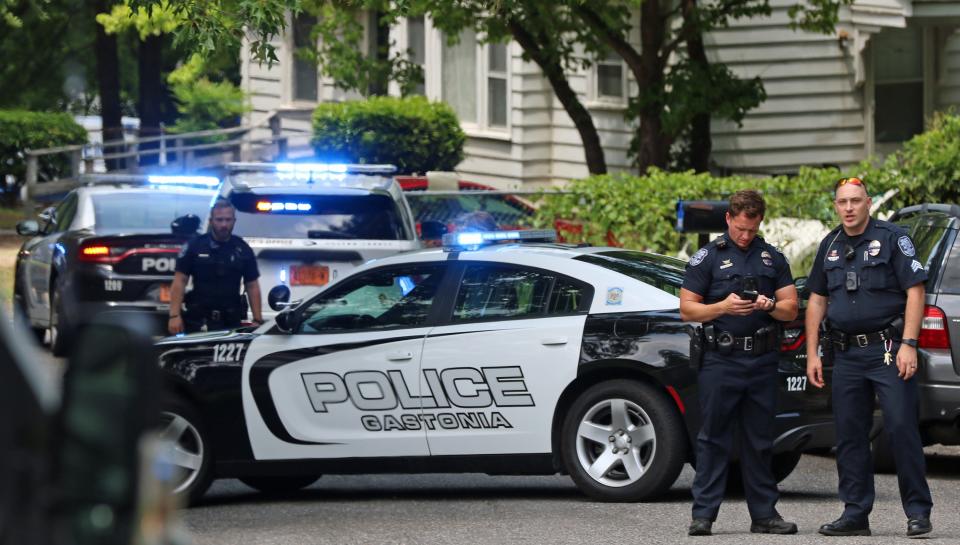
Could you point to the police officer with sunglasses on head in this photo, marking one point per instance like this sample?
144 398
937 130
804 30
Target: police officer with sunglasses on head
867 281
739 287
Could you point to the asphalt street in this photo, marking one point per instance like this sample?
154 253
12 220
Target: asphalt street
476 509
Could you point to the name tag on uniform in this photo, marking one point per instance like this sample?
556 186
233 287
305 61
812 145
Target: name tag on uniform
726 263
203 255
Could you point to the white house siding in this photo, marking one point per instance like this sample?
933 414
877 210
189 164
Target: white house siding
814 110
948 88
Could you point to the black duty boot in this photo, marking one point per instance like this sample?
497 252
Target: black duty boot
773 525
846 527
700 527
917 526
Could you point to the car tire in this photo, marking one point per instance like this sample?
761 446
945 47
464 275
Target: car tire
883 461
651 449
61 332
187 448
279 485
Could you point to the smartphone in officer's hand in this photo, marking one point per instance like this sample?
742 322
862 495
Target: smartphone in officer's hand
748 289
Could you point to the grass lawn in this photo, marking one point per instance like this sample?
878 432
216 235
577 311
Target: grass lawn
8 258
10 216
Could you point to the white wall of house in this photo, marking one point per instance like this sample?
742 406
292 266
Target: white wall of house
829 96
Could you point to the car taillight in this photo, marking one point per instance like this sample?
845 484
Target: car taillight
933 329
100 253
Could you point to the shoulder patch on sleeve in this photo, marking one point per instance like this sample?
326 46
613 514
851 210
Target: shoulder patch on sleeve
906 246
698 257
915 265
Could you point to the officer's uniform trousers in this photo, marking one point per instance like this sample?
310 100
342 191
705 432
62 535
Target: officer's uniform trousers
858 374
738 393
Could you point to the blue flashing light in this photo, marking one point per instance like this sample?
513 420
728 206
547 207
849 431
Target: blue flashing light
205 181
283 275
473 239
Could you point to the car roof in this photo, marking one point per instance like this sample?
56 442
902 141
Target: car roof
128 188
636 295
941 214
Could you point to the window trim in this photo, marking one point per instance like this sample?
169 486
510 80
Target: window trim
433 83
290 73
458 272
597 100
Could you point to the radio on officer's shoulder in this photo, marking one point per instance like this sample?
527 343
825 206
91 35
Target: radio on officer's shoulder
748 289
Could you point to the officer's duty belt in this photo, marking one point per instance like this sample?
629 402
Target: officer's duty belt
845 340
765 340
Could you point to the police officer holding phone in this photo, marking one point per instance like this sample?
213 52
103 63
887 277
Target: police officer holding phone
868 283
739 287
218 261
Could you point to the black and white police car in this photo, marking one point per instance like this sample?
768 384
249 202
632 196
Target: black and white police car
508 358
107 246
312 223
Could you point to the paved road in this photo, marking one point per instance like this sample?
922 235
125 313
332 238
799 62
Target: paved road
476 509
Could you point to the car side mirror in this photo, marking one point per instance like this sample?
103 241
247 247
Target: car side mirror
288 321
48 216
185 225
28 228
432 230
278 297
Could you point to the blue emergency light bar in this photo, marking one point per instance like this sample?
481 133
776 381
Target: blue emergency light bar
473 239
308 169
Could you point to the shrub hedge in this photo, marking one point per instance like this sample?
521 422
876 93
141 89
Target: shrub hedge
412 133
22 130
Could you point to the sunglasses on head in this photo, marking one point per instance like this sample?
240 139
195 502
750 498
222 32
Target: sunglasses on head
851 181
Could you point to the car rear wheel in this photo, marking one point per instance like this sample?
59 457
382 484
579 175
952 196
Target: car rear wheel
277 485
623 440
187 449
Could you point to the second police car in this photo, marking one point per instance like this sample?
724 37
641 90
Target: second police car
515 358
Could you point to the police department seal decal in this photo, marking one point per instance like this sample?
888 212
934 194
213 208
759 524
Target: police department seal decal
874 247
614 296
906 246
698 257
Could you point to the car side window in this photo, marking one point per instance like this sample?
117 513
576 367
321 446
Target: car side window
568 297
379 299
501 291
64 214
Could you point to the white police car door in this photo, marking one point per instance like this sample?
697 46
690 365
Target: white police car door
510 348
346 383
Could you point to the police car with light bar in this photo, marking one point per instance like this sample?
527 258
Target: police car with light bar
309 224
107 246
502 353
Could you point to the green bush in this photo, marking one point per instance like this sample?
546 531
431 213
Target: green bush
22 130
204 104
412 133
640 211
929 164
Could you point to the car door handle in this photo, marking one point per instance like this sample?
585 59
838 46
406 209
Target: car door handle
400 356
549 341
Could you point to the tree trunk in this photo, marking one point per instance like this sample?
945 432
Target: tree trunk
700 140
108 82
582 120
151 101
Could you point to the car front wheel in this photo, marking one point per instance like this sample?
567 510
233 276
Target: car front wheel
187 450
623 440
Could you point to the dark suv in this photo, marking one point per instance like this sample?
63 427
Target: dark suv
933 228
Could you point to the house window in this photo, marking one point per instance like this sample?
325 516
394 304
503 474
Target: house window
304 70
475 82
898 84
610 80
416 45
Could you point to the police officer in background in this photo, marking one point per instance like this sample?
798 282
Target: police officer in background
217 261
739 287
868 272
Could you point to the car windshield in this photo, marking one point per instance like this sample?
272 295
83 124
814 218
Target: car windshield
365 217
145 211
447 208
662 272
931 239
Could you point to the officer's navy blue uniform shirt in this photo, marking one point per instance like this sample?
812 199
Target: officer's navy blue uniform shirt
217 268
714 273
885 262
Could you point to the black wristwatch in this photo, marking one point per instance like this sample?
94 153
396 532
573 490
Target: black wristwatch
909 342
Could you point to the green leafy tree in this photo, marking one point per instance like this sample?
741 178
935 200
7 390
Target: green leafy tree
204 104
